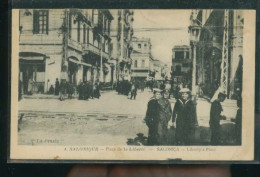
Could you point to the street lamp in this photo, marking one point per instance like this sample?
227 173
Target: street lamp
194 31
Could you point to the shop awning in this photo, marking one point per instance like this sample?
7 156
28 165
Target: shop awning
74 60
31 56
86 64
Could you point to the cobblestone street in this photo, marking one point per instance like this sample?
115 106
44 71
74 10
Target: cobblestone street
111 120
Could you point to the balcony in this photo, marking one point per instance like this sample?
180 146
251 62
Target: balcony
105 55
90 48
74 44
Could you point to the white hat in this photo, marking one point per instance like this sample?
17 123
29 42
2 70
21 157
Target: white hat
156 90
184 90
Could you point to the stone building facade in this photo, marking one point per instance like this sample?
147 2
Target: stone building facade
121 37
68 44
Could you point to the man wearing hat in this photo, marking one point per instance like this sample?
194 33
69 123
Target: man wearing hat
152 118
184 114
215 117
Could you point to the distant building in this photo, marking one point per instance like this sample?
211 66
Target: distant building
69 44
181 65
141 59
159 69
121 35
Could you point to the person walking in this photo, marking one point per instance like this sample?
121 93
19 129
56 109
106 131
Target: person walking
133 91
184 115
215 117
57 87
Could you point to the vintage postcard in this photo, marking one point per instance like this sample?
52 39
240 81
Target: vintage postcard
124 84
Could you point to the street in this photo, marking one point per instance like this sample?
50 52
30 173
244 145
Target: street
111 120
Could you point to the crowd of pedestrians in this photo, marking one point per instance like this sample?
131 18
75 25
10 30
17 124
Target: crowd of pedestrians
84 90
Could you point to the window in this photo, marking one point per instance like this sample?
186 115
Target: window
145 46
187 55
78 31
88 35
143 63
179 55
139 46
135 64
40 21
84 33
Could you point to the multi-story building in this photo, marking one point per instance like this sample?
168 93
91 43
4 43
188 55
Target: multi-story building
69 44
181 65
219 50
158 70
121 34
141 59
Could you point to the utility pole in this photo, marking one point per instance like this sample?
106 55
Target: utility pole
224 63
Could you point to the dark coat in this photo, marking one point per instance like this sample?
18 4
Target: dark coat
184 113
165 114
151 120
215 111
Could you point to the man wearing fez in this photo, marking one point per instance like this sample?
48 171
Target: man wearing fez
184 114
215 117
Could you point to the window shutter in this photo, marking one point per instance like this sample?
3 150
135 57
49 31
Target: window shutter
35 22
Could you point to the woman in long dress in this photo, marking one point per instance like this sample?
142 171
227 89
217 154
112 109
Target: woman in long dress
184 114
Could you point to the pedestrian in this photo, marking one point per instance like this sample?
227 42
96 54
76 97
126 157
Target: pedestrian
63 88
215 117
70 90
238 121
51 90
184 114
151 118
80 91
97 90
30 86
133 91
57 87
165 114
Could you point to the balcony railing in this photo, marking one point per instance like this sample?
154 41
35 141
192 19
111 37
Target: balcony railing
91 48
74 44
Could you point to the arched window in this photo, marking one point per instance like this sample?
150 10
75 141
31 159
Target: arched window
139 46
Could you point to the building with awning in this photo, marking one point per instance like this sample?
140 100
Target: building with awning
64 44
32 66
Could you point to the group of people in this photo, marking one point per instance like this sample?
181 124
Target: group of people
125 87
159 113
160 116
88 90
85 90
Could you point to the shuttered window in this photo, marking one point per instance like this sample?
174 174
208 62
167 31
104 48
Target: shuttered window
40 21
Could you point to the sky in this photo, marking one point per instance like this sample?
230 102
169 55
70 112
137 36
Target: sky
165 28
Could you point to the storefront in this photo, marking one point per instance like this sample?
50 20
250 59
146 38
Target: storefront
32 69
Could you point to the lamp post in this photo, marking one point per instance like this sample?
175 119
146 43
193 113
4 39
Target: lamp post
194 30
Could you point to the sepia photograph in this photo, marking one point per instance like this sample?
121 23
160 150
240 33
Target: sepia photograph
132 84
